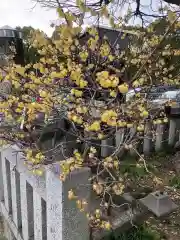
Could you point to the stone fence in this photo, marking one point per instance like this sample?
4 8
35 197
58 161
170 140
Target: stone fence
37 207
153 139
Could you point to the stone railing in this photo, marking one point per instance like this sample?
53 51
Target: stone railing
35 207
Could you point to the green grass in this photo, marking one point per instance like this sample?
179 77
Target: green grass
175 182
140 233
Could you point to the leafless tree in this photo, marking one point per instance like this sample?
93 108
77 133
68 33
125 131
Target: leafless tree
139 8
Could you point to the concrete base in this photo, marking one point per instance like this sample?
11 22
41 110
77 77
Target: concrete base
159 203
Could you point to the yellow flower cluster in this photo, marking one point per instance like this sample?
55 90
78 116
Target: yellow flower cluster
113 93
92 31
140 128
106 81
109 117
95 126
96 220
3 142
77 77
63 73
118 188
19 135
20 70
81 205
138 83
71 164
34 158
92 43
160 121
83 55
4 105
144 114
111 163
71 195
76 92
66 35
106 225
105 50
13 79
123 88
44 93
39 39
75 118
98 188
82 109
38 171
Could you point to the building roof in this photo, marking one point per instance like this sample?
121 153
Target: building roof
113 36
6 27
116 29
7 31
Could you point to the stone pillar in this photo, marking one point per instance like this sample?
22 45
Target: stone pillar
1 180
107 147
119 139
64 220
172 132
147 145
38 234
24 212
159 137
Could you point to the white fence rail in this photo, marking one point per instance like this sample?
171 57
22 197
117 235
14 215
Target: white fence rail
37 207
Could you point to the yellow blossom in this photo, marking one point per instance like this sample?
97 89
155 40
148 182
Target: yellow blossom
123 88
71 195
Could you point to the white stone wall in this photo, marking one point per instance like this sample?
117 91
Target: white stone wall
38 207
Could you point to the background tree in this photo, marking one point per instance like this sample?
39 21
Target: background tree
30 53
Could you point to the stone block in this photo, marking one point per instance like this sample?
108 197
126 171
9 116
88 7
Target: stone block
159 203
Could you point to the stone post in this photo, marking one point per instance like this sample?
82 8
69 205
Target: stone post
64 220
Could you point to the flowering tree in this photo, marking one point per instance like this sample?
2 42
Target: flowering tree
81 88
